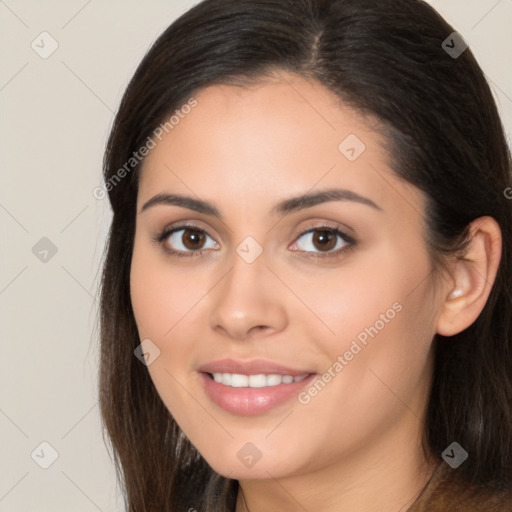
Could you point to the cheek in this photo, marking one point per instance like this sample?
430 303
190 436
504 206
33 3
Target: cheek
383 295
161 293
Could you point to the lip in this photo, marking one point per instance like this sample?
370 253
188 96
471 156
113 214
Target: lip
252 367
248 401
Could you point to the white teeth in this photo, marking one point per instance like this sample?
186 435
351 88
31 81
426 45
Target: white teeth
260 380
257 381
274 379
239 381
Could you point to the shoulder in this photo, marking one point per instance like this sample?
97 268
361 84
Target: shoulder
447 492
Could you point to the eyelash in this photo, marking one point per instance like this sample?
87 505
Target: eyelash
350 242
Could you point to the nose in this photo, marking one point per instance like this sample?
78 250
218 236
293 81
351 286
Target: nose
247 301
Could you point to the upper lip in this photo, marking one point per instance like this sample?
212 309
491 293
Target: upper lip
252 367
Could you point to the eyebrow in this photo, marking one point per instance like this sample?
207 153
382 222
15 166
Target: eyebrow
285 207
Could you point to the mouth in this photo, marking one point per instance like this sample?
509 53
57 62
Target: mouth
253 394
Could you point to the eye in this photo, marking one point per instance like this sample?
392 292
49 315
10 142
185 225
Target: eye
329 241
185 240
189 240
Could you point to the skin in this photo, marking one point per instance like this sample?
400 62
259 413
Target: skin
357 443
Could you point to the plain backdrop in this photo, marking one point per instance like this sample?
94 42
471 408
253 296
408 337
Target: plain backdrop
56 112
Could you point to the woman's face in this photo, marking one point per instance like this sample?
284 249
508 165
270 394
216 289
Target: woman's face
278 288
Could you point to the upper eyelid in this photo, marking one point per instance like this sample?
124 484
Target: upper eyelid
327 227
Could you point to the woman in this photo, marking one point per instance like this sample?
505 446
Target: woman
306 295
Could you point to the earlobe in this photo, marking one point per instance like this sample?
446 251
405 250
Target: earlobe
472 278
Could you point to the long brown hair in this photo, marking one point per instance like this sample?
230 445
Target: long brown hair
444 135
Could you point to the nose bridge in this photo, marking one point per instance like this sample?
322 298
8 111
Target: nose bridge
245 298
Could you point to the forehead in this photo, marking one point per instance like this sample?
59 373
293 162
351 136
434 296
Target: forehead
275 138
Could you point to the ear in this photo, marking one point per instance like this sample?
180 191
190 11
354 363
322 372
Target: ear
472 278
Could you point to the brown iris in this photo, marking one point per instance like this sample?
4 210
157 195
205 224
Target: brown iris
326 239
192 237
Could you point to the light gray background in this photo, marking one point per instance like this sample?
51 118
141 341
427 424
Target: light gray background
56 115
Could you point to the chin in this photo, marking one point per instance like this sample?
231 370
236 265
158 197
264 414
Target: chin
241 467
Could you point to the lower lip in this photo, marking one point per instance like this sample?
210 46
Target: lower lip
251 401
